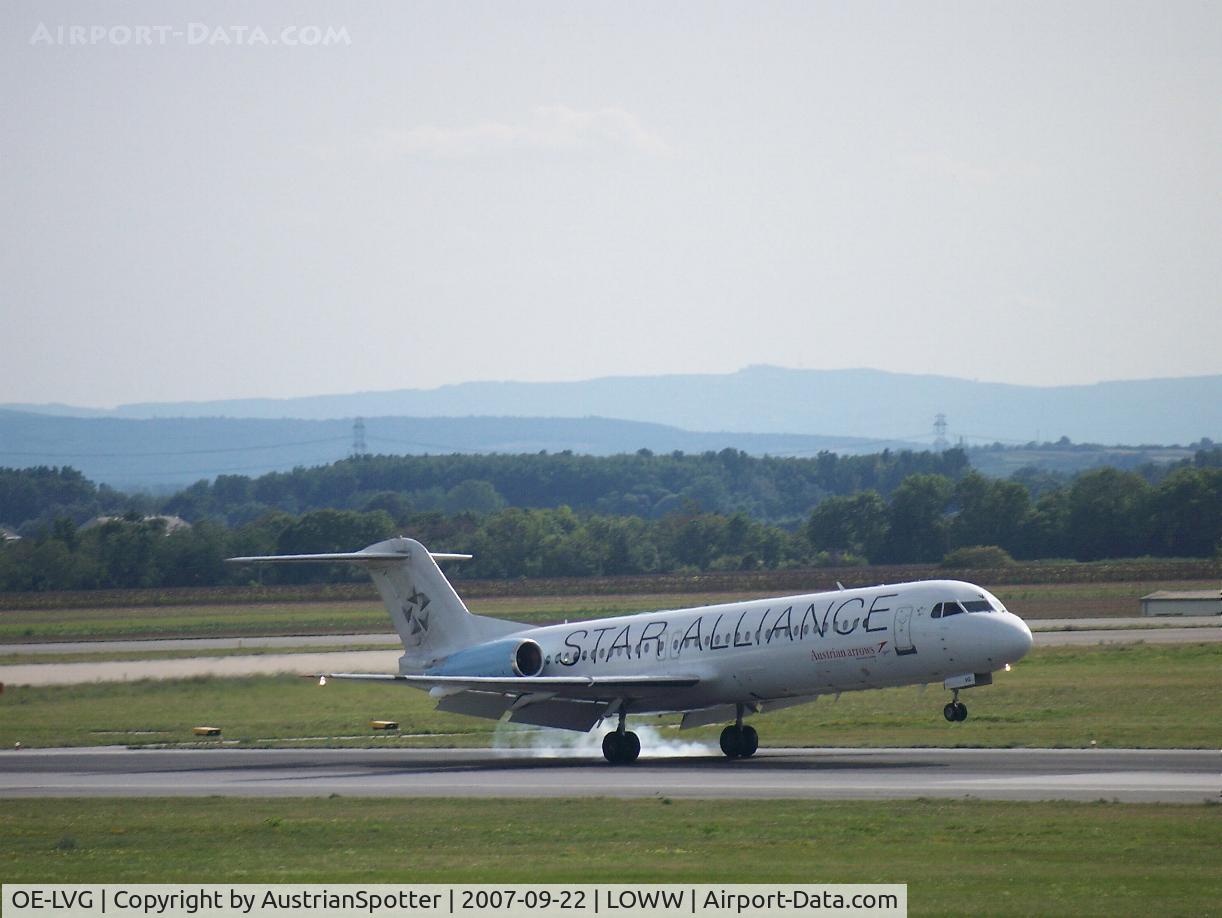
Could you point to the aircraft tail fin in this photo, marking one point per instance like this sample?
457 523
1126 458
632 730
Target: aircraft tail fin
431 619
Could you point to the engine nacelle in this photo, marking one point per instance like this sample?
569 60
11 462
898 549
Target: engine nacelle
511 657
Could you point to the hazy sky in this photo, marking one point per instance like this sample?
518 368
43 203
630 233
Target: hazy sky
1021 192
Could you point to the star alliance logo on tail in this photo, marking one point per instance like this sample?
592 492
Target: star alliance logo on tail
414 611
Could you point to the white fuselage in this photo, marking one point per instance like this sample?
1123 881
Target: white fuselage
795 646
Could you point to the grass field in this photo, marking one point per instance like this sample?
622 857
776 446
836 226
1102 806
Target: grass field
957 857
1127 695
1032 601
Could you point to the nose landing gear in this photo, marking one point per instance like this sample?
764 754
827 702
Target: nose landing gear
620 746
956 710
739 741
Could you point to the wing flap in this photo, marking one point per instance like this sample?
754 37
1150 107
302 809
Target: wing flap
561 715
489 705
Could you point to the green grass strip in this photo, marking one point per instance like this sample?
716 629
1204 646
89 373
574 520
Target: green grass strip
958 857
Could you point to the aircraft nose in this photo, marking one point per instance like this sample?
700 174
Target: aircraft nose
1016 640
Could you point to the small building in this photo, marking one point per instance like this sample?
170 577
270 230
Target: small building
1186 602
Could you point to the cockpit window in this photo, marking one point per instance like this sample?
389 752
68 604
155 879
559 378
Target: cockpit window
978 605
943 609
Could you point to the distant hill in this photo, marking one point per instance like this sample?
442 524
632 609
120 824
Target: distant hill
845 403
164 453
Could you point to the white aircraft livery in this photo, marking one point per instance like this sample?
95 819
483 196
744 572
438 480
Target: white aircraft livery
711 664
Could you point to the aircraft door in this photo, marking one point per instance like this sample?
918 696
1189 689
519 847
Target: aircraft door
903 631
673 649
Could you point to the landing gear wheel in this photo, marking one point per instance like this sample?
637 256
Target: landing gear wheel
611 747
739 742
960 711
621 748
750 741
630 747
950 712
731 739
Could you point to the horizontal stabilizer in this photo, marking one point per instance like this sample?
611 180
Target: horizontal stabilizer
352 557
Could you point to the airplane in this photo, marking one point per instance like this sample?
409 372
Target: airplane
709 663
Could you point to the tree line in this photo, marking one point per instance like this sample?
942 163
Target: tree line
642 484
926 517
1103 513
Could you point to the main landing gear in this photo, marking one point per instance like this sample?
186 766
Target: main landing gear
739 741
956 710
620 746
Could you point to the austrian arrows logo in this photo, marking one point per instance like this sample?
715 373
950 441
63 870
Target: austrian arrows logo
852 653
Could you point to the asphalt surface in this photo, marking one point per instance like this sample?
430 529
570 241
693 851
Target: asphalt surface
1170 776
230 643
358 661
1127 636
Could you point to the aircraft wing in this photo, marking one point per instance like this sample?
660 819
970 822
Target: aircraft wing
565 702
592 688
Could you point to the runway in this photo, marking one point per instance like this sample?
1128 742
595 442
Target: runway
1169 776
